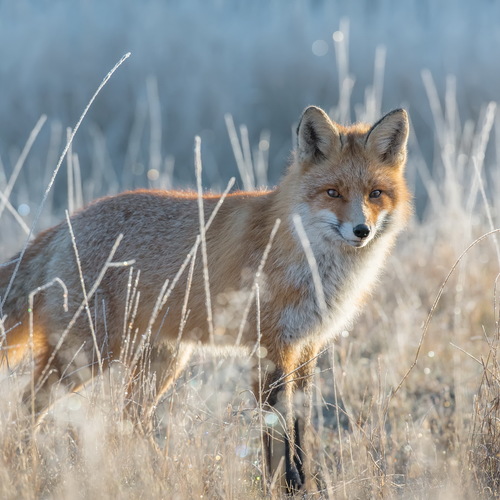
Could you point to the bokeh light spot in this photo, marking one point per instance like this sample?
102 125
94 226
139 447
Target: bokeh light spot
23 209
263 144
153 174
338 36
319 48
271 419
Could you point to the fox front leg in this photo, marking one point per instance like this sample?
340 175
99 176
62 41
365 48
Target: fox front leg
298 395
294 470
277 394
303 402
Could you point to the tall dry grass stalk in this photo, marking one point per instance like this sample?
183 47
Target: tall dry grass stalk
406 405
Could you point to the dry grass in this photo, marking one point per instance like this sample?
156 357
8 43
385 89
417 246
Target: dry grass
437 436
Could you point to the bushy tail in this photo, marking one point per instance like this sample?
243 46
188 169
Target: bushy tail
14 296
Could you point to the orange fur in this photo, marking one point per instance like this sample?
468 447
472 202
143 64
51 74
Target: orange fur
159 230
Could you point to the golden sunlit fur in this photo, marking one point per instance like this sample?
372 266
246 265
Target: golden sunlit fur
345 183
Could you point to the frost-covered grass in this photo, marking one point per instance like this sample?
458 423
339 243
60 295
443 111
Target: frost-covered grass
193 61
431 432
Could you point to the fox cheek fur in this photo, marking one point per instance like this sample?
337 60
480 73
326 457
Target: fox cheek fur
346 184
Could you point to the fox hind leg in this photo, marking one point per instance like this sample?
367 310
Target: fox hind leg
156 371
60 370
168 362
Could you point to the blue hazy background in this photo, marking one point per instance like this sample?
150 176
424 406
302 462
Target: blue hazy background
194 61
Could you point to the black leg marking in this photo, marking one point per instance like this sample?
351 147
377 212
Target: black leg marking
298 456
293 469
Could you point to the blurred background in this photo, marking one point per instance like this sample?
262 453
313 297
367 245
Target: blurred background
201 67
239 73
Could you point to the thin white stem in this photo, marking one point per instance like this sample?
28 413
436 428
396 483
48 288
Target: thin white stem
85 297
311 260
204 254
55 172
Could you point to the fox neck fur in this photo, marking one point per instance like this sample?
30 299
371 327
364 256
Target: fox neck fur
347 274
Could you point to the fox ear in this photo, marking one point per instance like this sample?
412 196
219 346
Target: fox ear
317 135
387 139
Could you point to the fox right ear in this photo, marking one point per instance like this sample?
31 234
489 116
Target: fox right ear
389 136
317 135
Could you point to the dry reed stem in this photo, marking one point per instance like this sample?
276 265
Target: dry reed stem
311 260
31 300
85 297
204 256
55 172
107 265
433 308
258 274
20 162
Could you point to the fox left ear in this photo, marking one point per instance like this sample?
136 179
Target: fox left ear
389 136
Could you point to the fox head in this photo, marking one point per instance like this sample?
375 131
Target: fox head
351 187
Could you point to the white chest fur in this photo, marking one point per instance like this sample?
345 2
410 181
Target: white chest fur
346 275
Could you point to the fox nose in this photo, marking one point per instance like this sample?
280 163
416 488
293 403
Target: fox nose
361 231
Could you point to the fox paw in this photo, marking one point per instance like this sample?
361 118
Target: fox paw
294 480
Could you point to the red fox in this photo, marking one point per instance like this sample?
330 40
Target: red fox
346 184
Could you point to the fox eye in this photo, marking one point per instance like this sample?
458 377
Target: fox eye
376 193
333 193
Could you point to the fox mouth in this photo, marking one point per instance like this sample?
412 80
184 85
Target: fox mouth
356 243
